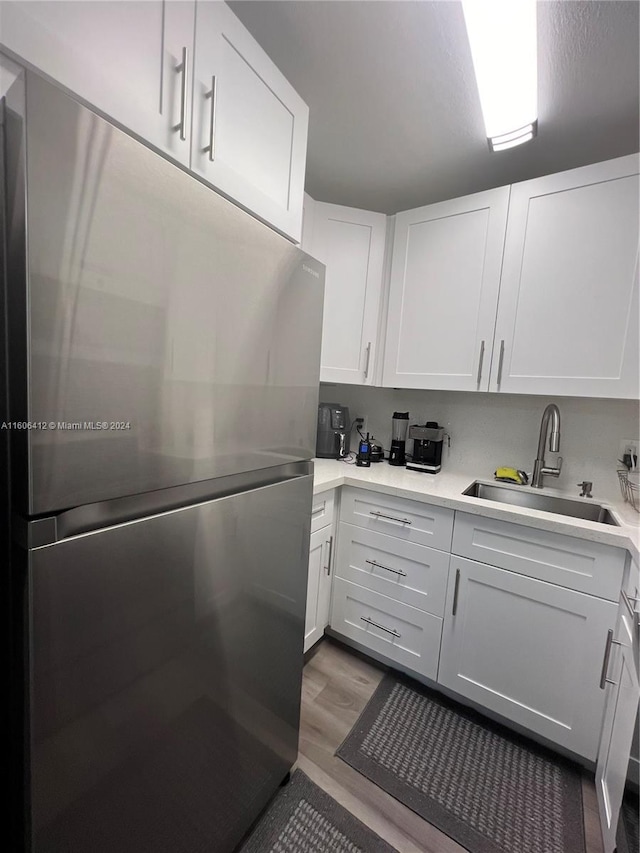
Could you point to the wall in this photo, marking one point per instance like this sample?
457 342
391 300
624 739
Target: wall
488 430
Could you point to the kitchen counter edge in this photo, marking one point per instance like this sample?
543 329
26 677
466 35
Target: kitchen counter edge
445 489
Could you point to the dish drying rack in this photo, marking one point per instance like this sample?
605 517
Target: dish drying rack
630 491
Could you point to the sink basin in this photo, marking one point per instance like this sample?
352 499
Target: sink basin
523 496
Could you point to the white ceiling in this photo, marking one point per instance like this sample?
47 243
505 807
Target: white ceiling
395 119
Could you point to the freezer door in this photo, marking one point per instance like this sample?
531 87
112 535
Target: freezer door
168 337
166 665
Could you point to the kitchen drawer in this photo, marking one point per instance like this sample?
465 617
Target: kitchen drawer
322 510
401 633
411 520
406 572
563 560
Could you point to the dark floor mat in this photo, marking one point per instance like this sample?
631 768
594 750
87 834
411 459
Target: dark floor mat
304 819
487 788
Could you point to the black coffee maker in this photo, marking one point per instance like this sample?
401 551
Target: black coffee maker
334 431
427 447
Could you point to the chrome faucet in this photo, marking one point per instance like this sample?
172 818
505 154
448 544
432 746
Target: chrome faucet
551 413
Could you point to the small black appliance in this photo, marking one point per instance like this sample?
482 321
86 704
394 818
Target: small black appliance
334 429
377 454
427 447
399 426
363 459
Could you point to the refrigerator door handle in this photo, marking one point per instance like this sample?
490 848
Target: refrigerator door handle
93 517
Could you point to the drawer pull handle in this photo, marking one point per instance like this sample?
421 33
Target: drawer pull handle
390 517
605 663
455 593
382 628
386 568
327 568
317 510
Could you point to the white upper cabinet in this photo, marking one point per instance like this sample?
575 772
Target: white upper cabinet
350 243
445 278
185 77
249 124
125 59
568 311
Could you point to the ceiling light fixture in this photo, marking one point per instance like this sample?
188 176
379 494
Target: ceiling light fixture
502 35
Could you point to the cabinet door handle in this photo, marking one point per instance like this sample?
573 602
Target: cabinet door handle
605 663
213 94
390 517
456 588
382 628
327 568
480 362
500 364
629 600
366 364
386 568
183 68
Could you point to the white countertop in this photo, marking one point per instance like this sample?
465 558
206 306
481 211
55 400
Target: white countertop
445 489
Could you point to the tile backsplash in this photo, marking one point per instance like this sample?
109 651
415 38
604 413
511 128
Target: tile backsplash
488 430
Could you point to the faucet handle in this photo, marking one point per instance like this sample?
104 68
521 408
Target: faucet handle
559 461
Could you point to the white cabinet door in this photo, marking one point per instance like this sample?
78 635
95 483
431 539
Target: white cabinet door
568 312
527 650
445 277
621 709
249 124
318 586
350 243
124 59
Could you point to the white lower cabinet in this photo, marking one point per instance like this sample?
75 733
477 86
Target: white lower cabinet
318 586
527 650
621 683
525 638
390 586
401 633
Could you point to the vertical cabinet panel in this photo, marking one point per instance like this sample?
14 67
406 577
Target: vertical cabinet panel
444 288
249 125
527 650
350 243
308 216
621 712
568 312
318 587
123 58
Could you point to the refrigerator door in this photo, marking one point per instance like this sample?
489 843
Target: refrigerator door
166 665
168 337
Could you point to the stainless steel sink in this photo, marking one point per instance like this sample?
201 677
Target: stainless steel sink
522 496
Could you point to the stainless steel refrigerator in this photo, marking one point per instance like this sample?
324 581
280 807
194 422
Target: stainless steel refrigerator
163 366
